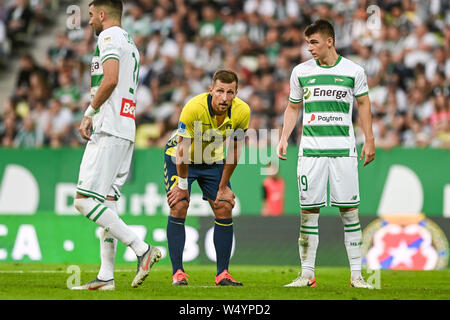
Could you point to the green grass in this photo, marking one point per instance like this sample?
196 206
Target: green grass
260 283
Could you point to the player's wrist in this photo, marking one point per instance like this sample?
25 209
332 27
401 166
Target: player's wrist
183 183
90 111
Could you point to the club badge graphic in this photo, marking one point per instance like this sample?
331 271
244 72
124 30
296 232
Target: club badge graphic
399 242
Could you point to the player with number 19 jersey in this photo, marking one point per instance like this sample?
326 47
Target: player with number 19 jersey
117 115
327 93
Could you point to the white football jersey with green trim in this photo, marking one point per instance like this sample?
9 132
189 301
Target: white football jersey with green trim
327 93
117 115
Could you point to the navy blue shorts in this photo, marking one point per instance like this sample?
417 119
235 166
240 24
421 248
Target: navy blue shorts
208 176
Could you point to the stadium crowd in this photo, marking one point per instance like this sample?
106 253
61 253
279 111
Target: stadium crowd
404 47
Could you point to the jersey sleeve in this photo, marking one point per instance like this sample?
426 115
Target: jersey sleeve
186 121
109 47
295 89
361 86
242 125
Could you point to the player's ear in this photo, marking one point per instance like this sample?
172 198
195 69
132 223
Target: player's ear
101 15
330 41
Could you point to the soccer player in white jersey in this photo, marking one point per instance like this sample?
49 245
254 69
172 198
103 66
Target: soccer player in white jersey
107 157
326 86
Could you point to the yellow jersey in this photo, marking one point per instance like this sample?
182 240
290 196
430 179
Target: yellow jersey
198 122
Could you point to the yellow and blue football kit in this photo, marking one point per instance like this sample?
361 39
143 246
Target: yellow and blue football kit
198 123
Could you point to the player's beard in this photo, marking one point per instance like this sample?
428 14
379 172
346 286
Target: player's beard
220 106
97 29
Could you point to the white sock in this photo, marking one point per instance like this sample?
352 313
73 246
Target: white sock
108 247
308 243
353 241
110 221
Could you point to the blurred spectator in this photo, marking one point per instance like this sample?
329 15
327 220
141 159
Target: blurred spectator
211 24
28 136
67 92
59 124
18 19
136 22
8 130
418 46
61 49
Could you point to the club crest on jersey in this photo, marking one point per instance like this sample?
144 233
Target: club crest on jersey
128 108
181 127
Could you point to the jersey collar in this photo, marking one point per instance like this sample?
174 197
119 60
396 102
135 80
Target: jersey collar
335 64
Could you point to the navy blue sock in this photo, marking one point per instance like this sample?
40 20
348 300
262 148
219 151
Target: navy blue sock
223 241
176 237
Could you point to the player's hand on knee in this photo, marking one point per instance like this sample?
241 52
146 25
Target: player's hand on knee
85 128
176 195
224 194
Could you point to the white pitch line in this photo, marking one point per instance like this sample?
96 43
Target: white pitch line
59 271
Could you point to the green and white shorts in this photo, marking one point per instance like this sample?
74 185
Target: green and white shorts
315 173
105 166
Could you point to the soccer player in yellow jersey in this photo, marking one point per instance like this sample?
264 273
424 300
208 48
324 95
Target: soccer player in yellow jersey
196 153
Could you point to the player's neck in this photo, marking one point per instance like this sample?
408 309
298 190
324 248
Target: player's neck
329 60
220 119
111 23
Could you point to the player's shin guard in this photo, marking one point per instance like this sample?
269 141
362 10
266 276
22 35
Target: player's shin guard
353 241
308 243
108 247
110 221
223 242
176 238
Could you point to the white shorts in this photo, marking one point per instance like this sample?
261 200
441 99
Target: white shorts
315 173
105 166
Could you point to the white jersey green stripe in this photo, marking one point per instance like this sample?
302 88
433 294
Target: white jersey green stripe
116 115
327 94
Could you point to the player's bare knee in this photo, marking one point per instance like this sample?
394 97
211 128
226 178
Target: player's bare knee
179 210
223 211
84 205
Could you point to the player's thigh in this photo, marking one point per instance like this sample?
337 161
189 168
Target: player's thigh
312 177
208 178
123 171
101 162
344 186
171 174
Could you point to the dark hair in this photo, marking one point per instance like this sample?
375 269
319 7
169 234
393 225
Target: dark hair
116 6
225 76
320 26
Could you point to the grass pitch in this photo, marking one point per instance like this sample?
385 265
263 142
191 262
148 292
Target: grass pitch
20 281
